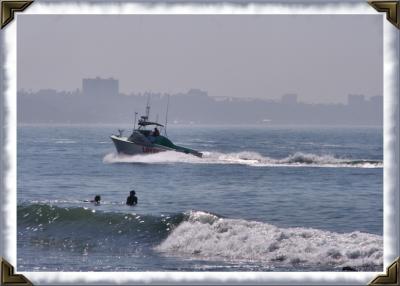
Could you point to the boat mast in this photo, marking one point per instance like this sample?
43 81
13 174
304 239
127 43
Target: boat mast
166 118
134 124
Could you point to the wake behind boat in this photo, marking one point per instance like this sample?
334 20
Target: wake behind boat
144 141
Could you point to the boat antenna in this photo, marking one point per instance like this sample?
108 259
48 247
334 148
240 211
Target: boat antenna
148 108
134 124
166 117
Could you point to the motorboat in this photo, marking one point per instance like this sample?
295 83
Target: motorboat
144 140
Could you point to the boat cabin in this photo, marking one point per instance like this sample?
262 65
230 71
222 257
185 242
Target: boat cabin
143 123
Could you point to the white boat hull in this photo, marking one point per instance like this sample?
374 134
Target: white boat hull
131 148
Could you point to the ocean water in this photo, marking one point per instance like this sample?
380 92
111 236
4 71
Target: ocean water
261 199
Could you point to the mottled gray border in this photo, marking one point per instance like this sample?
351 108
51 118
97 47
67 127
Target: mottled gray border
2 126
391 196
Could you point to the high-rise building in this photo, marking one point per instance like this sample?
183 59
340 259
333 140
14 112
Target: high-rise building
100 87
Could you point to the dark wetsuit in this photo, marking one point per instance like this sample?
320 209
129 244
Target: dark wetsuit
131 200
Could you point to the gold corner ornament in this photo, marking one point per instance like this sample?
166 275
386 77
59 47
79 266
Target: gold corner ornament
8 277
8 8
391 278
391 8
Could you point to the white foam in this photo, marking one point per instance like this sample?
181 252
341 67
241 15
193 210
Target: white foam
249 158
163 157
65 141
209 237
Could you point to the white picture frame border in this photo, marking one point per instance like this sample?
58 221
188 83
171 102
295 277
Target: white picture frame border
391 147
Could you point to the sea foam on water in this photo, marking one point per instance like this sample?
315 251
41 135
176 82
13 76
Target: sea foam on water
206 236
249 158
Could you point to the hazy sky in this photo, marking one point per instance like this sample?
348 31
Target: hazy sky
322 58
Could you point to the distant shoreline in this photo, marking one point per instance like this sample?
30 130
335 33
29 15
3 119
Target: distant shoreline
255 125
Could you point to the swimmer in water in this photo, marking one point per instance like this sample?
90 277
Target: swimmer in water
132 199
96 200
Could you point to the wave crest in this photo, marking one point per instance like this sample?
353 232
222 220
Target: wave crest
56 221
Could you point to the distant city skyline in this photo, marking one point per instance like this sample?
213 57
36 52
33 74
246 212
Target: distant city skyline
99 102
109 87
321 58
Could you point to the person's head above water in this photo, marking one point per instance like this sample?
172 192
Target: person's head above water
97 199
132 193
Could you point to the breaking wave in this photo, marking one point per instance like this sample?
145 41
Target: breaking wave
254 159
208 236
196 235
